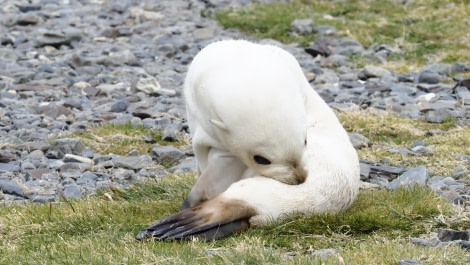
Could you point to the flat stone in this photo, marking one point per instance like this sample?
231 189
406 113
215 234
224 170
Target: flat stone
358 140
302 26
71 158
323 253
87 178
167 154
72 191
414 176
375 71
12 188
459 173
6 167
133 162
408 262
38 173
63 146
446 235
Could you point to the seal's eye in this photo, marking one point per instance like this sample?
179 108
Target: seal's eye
261 160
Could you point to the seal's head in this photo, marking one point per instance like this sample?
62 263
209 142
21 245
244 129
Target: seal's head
265 126
249 100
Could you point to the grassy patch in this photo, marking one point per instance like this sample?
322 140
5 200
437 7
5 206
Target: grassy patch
390 131
424 30
98 231
120 139
375 230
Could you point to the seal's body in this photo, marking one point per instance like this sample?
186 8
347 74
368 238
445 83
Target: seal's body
266 144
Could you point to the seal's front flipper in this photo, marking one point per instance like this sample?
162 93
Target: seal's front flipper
209 220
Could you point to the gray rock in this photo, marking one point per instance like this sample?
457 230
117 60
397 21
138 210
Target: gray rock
387 172
123 174
429 77
41 198
439 68
6 167
418 143
408 262
12 188
364 171
167 154
459 173
459 67
87 178
119 106
38 173
420 241
71 158
57 38
63 146
326 31
446 235
185 166
422 151
73 170
438 115
414 176
453 197
324 253
302 26
133 162
72 191
358 140
371 71
464 244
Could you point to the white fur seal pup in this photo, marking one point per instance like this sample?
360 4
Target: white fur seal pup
266 144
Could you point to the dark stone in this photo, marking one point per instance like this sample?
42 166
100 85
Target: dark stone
53 110
414 176
119 106
60 147
167 154
133 162
72 191
12 188
446 235
6 167
408 262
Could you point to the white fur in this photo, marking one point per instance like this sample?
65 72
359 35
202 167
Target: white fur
245 99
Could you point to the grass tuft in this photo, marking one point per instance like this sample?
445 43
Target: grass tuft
101 230
120 139
425 31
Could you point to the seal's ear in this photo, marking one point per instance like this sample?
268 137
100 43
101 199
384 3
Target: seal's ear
219 124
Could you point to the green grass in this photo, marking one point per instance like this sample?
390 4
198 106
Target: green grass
101 231
375 230
123 138
389 130
424 30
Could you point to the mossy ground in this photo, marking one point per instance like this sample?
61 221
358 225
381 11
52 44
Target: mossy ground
424 30
375 230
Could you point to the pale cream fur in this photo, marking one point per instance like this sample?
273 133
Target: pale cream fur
246 99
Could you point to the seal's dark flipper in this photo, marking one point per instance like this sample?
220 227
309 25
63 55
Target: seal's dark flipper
177 228
209 220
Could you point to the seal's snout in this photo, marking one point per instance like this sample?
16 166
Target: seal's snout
300 174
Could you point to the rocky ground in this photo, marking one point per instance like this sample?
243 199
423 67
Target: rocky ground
69 65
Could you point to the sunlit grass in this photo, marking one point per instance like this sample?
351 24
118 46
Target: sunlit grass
424 30
389 130
123 138
97 230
